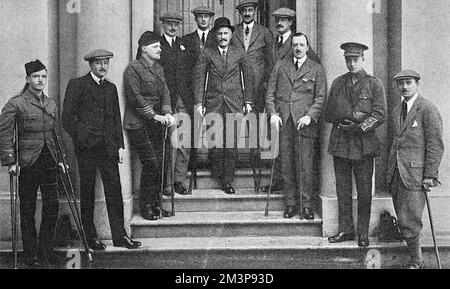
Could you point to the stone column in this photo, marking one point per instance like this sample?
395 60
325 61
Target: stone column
307 20
339 21
106 25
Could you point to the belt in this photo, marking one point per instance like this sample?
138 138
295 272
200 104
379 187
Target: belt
37 135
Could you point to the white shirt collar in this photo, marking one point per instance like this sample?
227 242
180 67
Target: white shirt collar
96 79
300 61
200 33
221 50
169 39
411 102
250 26
285 36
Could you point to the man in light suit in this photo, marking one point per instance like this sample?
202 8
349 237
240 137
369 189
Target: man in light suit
414 160
281 49
295 97
224 93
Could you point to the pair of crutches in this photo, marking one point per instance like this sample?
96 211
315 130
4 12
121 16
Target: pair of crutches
14 191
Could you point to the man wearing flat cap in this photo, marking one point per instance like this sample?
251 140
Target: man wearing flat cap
36 163
281 50
91 115
414 159
224 95
356 107
175 61
196 42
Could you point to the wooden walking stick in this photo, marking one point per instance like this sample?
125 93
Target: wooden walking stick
436 249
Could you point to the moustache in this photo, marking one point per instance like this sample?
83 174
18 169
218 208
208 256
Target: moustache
280 26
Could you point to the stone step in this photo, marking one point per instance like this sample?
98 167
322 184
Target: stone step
254 253
224 224
243 179
211 200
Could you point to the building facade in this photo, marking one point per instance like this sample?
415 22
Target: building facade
401 34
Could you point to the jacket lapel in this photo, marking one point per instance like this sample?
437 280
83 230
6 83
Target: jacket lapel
284 50
396 119
232 57
239 33
304 69
289 68
255 34
412 114
218 62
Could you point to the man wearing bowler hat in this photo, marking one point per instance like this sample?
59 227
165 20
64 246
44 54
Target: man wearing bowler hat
414 159
91 115
224 94
356 107
281 50
175 62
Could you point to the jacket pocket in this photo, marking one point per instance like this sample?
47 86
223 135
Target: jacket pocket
31 123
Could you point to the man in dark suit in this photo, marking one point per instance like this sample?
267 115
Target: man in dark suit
91 116
281 49
356 107
224 94
414 159
175 62
295 97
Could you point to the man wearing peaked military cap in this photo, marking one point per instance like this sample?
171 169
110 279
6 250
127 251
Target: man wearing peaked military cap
91 115
414 159
98 54
356 107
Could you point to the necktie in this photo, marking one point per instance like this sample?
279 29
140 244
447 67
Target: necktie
297 65
100 82
247 31
280 42
224 56
404 110
173 42
203 39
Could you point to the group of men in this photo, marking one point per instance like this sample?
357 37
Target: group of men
245 69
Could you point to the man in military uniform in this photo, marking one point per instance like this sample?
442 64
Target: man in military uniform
224 94
36 116
281 49
295 97
91 116
414 159
356 107
175 62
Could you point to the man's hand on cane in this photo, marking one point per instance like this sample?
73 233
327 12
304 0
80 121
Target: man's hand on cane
12 170
201 110
303 122
247 108
430 183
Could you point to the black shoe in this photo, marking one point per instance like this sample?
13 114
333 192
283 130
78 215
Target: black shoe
161 212
308 214
96 245
126 242
363 241
289 213
342 237
277 186
180 189
228 189
149 213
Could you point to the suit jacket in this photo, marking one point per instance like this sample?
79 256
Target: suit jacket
193 45
417 146
259 55
285 51
297 93
146 93
175 61
36 122
224 86
91 115
364 103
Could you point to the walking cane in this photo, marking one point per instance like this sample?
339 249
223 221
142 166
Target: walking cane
163 164
14 190
436 250
246 112
71 199
172 178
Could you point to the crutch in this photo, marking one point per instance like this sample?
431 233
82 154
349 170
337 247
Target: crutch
71 200
163 164
14 190
193 178
246 112
436 250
